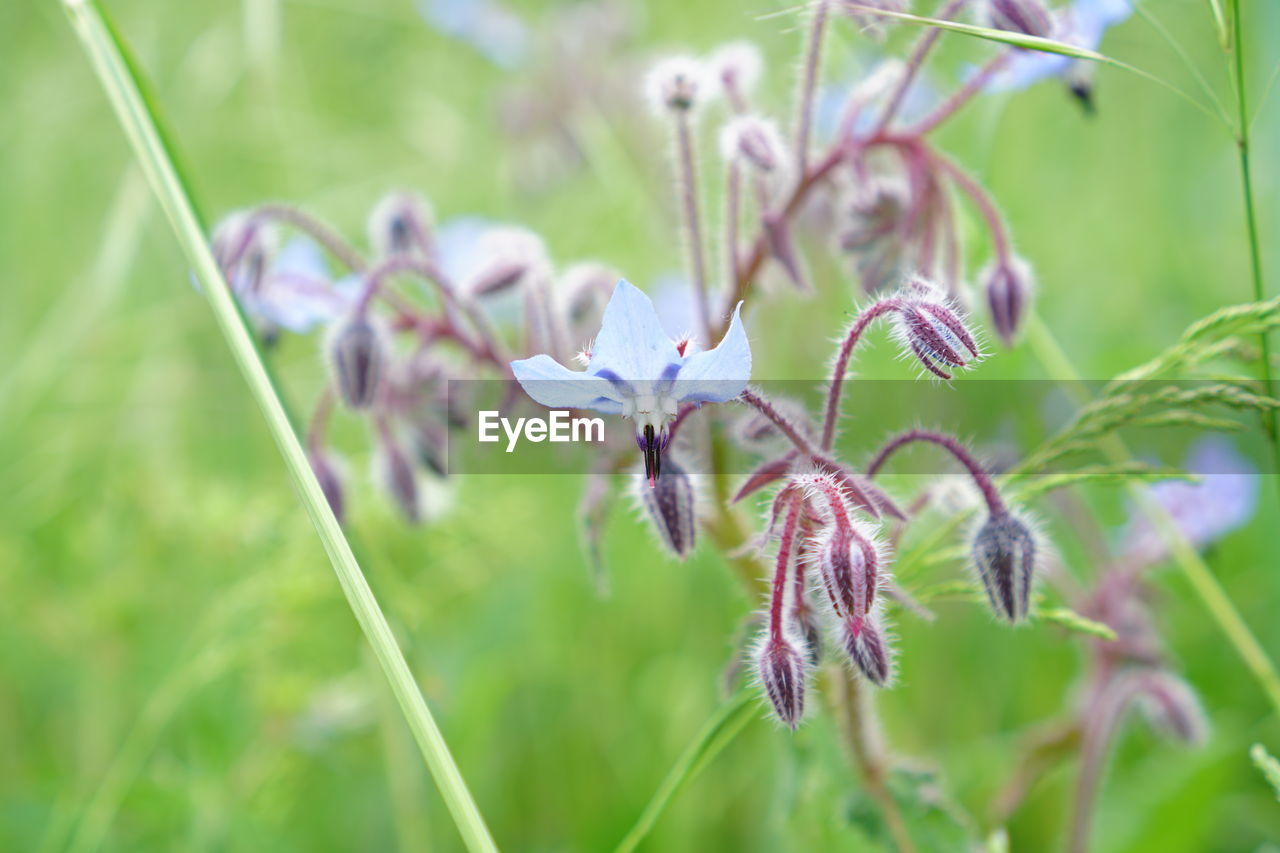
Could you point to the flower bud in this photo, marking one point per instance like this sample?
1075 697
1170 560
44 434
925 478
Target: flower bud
330 481
876 212
400 224
736 66
398 479
1171 706
358 359
1008 287
754 140
806 622
673 84
848 563
865 642
1004 554
780 666
512 257
1028 17
932 331
670 503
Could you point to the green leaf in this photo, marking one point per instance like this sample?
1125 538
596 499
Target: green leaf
1268 764
725 724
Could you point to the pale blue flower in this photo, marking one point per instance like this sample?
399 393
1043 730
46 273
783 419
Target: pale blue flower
636 370
1224 499
1082 24
490 27
295 292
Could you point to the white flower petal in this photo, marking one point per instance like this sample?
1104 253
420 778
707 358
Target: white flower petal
720 374
557 387
632 344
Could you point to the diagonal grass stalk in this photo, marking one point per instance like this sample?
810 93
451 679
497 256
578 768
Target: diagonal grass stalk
138 119
1193 566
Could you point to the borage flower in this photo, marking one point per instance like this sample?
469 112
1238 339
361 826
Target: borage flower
636 370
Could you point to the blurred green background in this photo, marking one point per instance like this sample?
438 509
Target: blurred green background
179 669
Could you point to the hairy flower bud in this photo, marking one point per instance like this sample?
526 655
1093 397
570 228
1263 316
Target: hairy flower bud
865 642
512 257
1004 554
674 83
1008 288
358 359
933 331
736 66
754 140
326 472
848 562
670 502
781 668
1028 17
400 224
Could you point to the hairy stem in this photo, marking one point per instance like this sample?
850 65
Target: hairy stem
879 309
995 504
809 84
688 177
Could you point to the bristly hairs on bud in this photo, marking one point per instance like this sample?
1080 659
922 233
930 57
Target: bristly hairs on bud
676 84
933 331
514 258
358 356
1009 287
396 475
671 504
1007 550
755 141
400 224
781 657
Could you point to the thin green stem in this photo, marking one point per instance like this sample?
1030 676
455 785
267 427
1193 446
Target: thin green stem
137 119
1251 227
1188 559
1177 48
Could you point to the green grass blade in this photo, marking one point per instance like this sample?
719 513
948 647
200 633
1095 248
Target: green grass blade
1268 765
728 721
1043 45
140 125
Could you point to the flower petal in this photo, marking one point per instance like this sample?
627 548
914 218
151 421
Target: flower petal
717 375
632 344
557 387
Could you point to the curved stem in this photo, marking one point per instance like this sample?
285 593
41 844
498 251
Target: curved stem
963 95
318 230
788 429
851 339
987 207
979 474
914 63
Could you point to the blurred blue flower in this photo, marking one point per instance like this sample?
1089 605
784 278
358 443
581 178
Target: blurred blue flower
1081 23
488 26
1223 500
296 293
636 370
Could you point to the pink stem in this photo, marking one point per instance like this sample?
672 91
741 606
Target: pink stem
809 85
995 504
962 96
914 63
692 221
788 429
780 570
860 325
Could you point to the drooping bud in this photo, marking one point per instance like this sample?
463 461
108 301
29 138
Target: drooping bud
876 212
1008 288
670 502
865 642
1029 17
400 224
781 668
1171 706
931 330
674 84
848 562
358 358
326 472
1004 554
754 140
398 479
805 621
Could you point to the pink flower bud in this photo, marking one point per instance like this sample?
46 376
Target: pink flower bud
670 503
781 668
1008 288
1004 555
867 646
1028 17
933 331
848 562
754 140
1171 705
358 359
